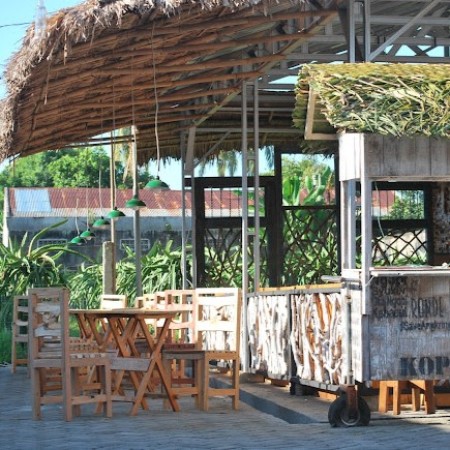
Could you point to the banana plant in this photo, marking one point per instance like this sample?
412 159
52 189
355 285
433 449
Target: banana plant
312 189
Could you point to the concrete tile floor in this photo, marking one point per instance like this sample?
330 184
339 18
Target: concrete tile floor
220 428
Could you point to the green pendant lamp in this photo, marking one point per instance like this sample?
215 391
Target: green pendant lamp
135 203
101 224
88 234
77 240
114 214
156 183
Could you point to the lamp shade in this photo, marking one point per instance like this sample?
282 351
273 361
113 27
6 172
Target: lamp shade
115 214
77 240
88 234
135 203
101 224
156 183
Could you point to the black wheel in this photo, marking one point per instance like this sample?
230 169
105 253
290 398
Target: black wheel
297 388
340 416
293 386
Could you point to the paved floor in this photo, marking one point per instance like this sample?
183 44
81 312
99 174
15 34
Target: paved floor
221 428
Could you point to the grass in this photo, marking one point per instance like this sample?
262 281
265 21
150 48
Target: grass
5 346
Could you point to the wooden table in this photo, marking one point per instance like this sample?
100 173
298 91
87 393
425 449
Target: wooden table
124 325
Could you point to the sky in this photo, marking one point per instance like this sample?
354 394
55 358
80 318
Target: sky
14 21
15 18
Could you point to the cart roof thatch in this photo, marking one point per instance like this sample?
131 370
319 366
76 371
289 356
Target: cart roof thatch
389 99
162 65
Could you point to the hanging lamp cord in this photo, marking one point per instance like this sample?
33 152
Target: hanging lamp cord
158 154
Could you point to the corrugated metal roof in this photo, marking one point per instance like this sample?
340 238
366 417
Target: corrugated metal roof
32 198
81 202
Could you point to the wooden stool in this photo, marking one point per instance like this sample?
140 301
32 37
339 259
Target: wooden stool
427 388
397 386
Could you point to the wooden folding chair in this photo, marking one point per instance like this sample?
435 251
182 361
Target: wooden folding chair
181 330
216 322
19 339
155 300
113 301
51 349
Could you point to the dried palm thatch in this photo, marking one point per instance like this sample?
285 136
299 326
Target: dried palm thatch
389 99
108 64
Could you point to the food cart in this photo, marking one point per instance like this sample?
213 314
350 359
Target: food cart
396 319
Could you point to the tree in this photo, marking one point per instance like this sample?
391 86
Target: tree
227 161
77 167
27 172
408 205
80 168
308 167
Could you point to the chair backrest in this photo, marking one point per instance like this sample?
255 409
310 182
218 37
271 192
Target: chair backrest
19 329
151 301
218 320
20 318
48 323
181 329
113 301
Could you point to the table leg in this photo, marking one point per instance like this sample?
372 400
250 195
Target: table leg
155 363
121 336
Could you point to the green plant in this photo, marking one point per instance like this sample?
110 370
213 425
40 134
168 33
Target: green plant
224 268
161 270
5 346
27 266
86 287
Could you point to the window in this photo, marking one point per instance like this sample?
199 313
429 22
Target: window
398 204
400 228
145 244
42 242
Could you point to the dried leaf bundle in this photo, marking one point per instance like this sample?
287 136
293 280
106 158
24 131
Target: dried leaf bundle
389 99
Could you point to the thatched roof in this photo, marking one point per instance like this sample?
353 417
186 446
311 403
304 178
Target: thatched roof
109 64
395 99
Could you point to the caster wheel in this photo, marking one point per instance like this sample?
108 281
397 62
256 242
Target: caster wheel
340 416
292 388
297 388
